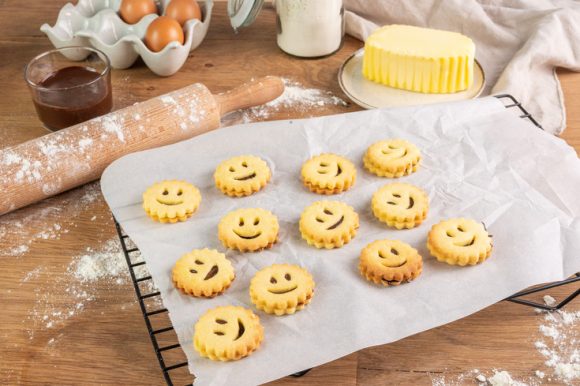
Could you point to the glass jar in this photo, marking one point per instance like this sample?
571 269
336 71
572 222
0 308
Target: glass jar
305 28
69 85
309 28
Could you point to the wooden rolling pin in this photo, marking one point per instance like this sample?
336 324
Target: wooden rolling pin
68 158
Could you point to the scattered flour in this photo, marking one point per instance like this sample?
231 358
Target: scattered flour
50 221
86 278
559 345
168 100
549 301
32 274
108 262
296 97
113 123
455 379
503 378
85 143
498 378
77 287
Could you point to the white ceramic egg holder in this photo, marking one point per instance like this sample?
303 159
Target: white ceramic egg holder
96 23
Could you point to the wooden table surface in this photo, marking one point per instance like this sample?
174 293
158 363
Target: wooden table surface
104 341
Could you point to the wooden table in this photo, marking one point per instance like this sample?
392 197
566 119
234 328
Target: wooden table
105 342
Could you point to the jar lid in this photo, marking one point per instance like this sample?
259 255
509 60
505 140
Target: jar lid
242 13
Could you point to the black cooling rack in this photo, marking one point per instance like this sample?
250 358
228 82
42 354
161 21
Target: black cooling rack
172 359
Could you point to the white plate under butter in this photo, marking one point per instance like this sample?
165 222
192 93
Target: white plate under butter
370 95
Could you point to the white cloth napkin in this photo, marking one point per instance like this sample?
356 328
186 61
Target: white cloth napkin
519 43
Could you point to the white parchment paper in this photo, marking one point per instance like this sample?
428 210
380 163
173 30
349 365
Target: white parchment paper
479 160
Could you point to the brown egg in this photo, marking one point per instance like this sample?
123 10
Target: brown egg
183 10
163 31
133 10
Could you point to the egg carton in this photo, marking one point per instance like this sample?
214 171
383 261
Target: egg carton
97 24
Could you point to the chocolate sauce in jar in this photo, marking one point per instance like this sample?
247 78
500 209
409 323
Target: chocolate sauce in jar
72 95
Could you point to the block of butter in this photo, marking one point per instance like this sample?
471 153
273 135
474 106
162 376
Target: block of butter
419 59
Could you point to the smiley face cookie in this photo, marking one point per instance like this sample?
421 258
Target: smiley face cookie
328 174
248 229
392 158
242 176
227 333
390 262
328 224
459 241
171 201
400 205
203 273
281 289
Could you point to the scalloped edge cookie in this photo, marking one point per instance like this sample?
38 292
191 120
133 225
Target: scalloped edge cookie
393 168
328 241
394 216
242 188
284 304
251 322
244 245
478 251
181 276
165 213
319 183
390 276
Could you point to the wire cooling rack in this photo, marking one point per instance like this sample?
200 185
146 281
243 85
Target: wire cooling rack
172 359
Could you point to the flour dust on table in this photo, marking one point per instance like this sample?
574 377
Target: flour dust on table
49 220
82 279
86 275
477 377
297 99
556 342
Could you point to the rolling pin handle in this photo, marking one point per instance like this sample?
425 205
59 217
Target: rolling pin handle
253 93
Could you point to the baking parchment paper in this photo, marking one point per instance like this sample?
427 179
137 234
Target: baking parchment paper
479 161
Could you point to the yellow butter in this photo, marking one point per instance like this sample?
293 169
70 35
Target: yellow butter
419 59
